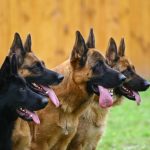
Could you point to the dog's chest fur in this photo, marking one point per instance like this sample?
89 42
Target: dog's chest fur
58 125
91 126
7 119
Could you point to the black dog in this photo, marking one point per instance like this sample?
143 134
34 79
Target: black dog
14 101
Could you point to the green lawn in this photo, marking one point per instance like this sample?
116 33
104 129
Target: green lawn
128 126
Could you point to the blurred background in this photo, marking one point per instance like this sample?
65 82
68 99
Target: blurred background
52 25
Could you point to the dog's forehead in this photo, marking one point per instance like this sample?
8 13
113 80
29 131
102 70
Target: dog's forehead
95 54
30 58
124 63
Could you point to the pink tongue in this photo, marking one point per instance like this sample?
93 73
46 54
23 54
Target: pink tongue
51 95
105 99
34 116
137 97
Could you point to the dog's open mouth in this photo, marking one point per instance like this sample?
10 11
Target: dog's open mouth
105 96
46 91
28 115
130 94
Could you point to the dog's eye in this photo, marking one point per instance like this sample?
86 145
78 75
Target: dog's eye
98 66
100 62
128 72
37 67
39 64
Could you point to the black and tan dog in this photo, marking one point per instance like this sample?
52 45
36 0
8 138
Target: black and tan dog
93 121
38 77
14 98
84 73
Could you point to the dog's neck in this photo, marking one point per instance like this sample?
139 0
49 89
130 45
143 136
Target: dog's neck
7 119
72 96
99 114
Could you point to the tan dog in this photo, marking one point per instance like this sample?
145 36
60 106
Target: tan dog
92 123
84 73
34 71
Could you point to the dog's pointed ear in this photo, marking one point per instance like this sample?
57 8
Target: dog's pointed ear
28 43
91 39
17 48
111 52
121 49
5 70
79 52
14 65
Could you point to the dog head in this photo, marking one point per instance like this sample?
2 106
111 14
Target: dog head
32 69
16 95
133 83
89 68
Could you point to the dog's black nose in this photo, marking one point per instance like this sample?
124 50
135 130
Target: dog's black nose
122 77
60 77
44 102
146 84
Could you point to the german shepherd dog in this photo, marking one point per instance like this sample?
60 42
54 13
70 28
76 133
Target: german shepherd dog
84 73
37 77
14 98
92 123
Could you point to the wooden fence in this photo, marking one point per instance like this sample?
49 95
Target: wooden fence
52 24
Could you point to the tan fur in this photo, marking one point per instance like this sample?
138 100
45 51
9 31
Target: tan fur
93 122
58 125
21 134
90 129
29 60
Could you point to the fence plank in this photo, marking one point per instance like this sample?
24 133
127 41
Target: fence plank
52 25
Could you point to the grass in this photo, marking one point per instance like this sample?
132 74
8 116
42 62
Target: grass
128 126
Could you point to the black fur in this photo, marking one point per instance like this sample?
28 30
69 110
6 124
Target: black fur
14 93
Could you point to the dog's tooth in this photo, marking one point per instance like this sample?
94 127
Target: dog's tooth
30 115
34 84
46 92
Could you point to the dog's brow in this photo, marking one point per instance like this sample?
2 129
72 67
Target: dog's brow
26 66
